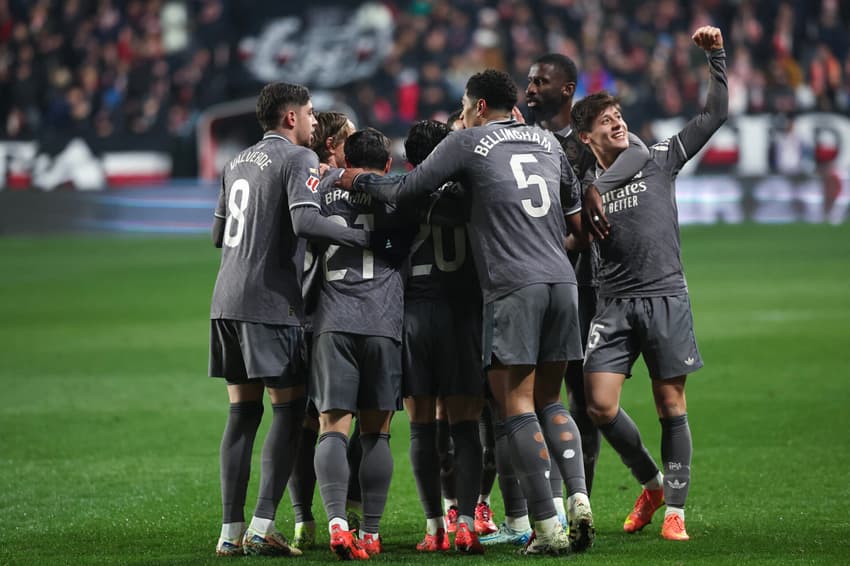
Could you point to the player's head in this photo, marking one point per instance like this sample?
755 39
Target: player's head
489 95
599 122
332 129
455 120
551 84
422 138
286 109
368 149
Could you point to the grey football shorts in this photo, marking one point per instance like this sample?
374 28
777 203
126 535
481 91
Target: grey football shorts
349 372
535 324
441 350
659 328
242 351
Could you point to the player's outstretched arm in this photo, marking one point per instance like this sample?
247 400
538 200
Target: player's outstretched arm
440 166
308 222
699 130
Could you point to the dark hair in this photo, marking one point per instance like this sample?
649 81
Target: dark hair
367 148
330 125
586 110
422 138
562 63
497 88
276 97
454 117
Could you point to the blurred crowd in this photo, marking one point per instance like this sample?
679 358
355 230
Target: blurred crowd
145 69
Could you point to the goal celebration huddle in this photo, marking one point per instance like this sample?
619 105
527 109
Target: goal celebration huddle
519 254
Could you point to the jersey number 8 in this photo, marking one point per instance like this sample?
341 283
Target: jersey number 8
240 190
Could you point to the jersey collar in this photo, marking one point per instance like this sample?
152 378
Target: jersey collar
276 136
565 132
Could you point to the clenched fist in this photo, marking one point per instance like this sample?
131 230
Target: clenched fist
708 38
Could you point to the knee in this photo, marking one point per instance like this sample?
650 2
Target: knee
602 414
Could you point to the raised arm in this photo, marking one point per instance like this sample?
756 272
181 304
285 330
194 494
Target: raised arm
699 130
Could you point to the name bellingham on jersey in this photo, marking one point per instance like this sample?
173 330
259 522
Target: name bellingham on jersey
496 137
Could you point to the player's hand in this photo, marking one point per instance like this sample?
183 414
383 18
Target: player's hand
393 247
708 38
323 168
346 178
518 115
593 212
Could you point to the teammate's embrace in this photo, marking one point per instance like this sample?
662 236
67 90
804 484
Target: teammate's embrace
644 306
268 198
356 361
515 175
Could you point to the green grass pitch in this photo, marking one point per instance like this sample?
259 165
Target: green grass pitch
109 427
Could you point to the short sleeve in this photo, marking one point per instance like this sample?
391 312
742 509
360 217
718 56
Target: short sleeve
221 207
302 180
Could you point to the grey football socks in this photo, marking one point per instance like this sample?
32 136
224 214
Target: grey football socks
302 481
676 449
237 443
445 450
512 495
623 436
355 456
556 481
376 471
467 465
564 441
488 450
331 464
279 450
531 461
426 467
591 439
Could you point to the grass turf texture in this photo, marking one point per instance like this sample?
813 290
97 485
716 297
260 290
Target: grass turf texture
109 429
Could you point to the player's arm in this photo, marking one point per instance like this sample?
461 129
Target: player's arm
576 238
302 178
440 166
571 205
626 166
699 130
447 206
308 222
219 218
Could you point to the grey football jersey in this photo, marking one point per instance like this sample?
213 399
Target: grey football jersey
514 174
359 292
641 257
259 279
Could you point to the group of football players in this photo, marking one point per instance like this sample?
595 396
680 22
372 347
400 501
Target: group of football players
463 288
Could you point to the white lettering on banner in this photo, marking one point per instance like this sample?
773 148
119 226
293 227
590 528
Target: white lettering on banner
23 165
330 49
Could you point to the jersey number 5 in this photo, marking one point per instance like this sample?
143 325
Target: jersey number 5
523 182
236 205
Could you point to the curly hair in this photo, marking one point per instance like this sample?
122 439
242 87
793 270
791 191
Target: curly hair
586 110
276 97
422 138
332 125
497 88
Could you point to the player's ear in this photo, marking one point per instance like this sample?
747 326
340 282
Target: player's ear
584 137
329 143
568 89
481 107
289 118
388 165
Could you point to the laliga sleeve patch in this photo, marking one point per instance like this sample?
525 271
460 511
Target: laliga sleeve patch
312 183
